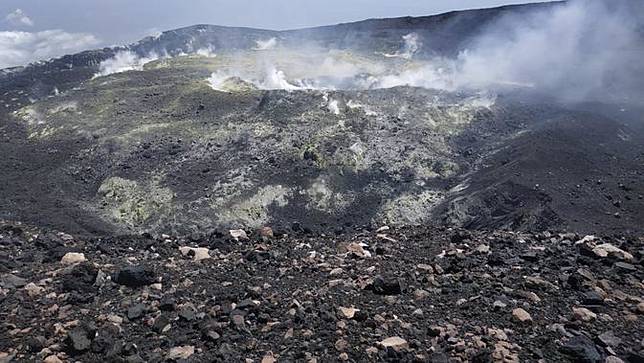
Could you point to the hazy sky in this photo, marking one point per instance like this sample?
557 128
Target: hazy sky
39 29
127 20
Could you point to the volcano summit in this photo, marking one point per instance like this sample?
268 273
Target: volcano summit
205 179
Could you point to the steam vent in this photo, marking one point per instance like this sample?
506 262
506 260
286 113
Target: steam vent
462 187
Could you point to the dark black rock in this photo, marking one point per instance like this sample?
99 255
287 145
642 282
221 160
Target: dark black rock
160 323
531 256
296 227
625 266
246 305
209 330
380 286
211 335
187 314
134 276
35 343
592 298
586 250
7 263
438 358
496 259
460 236
105 339
134 358
634 357
167 303
9 281
582 350
55 254
483 356
78 340
257 256
136 311
576 281
360 316
80 279
12 230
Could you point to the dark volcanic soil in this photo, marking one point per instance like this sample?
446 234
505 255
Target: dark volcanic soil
413 294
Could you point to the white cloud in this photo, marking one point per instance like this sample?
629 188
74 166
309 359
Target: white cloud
19 18
20 48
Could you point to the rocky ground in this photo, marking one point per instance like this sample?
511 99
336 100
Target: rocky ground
411 294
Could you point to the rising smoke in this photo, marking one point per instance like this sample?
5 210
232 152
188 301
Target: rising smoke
578 50
127 60
411 46
267 44
124 61
575 51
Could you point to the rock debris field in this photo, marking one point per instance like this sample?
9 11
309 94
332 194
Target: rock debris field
416 294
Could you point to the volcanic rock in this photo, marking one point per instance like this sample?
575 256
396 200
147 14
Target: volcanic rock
396 343
134 276
187 313
161 324
613 359
183 352
358 250
197 254
521 315
584 314
269 358
33 289
73 258
382 286
106 341
52 359
230 307
625 266
266 232
609 339
9 281
582 349
341 345
80 279
640 308
348 313
239 234
78 340
593 298
36 343
167 303
606 249
135 311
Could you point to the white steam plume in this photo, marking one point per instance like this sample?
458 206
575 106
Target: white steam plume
267 44
276 79
572 50
575 51
124 61
208 51
411 45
